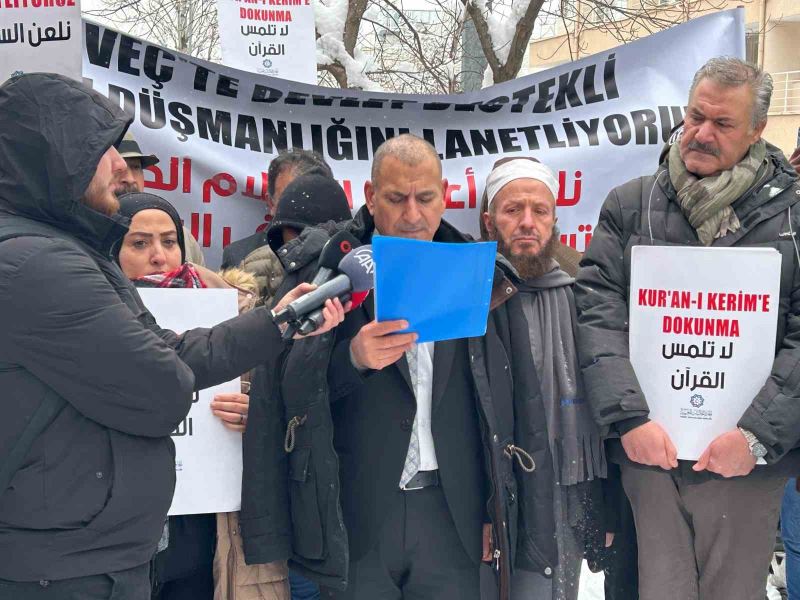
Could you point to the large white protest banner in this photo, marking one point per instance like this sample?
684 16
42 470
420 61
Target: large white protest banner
702 335
598 122
40 35
208 457
269 38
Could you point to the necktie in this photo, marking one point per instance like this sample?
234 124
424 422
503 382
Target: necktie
411 466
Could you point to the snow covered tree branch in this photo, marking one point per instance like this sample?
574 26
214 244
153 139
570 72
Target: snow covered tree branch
338 24
419 46
504 34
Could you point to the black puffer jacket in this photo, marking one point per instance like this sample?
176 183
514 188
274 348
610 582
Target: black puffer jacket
520 504
92 493
645 211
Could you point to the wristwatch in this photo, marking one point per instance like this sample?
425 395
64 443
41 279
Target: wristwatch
757 449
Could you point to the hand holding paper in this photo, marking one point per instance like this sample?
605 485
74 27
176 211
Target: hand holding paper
378 345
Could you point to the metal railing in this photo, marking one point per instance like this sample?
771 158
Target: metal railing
786 93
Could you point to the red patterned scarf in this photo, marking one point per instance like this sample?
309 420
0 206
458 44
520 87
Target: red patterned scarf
184 276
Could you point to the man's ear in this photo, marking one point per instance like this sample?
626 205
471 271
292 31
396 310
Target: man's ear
369 196
757 132
271 206
487 222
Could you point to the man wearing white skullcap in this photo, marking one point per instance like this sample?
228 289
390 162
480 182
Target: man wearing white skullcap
519 212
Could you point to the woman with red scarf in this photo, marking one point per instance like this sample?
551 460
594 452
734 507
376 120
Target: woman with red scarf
153 254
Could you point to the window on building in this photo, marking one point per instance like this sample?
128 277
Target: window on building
552 17
607 10
751 37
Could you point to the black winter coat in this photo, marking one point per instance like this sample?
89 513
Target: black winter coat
310 525
645 211
92 493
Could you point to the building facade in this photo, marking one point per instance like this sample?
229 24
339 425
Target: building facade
772 40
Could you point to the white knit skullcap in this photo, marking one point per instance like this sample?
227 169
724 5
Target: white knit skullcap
520 168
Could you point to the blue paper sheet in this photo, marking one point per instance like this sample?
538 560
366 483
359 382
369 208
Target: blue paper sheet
442 290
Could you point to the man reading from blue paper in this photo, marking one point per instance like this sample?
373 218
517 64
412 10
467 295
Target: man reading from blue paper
431 479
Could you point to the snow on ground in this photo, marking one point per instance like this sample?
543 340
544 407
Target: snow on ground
591 586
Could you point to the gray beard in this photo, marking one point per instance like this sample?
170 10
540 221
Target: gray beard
532 267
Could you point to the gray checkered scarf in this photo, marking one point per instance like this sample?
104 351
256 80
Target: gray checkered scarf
706 202
575 441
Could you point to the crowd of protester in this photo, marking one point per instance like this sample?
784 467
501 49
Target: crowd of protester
376 467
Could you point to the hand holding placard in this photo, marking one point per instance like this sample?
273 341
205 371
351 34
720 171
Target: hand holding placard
727 455
650 445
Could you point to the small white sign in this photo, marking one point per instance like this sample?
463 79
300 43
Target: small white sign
702 335
41 36
208 457
271 38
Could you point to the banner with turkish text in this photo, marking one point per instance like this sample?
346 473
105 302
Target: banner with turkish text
598 122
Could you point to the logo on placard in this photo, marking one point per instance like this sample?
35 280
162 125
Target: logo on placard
697 401
696 410
267 68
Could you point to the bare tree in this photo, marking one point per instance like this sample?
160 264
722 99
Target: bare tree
415 51
623 20
188 26
380 44
337 41
403 52
504 53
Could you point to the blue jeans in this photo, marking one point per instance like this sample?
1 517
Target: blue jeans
302 588
790 532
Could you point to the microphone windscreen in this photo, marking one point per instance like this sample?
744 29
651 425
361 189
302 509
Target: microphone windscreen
340 244
359 268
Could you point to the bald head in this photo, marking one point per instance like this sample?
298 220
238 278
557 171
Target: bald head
407 149
406 194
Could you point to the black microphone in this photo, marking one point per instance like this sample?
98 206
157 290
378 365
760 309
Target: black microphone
315 319
357 272
334 250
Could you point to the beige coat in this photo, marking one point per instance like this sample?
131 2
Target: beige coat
233 579
264 264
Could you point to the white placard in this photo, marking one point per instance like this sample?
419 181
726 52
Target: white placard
702 335
208 457
270 38
42 36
